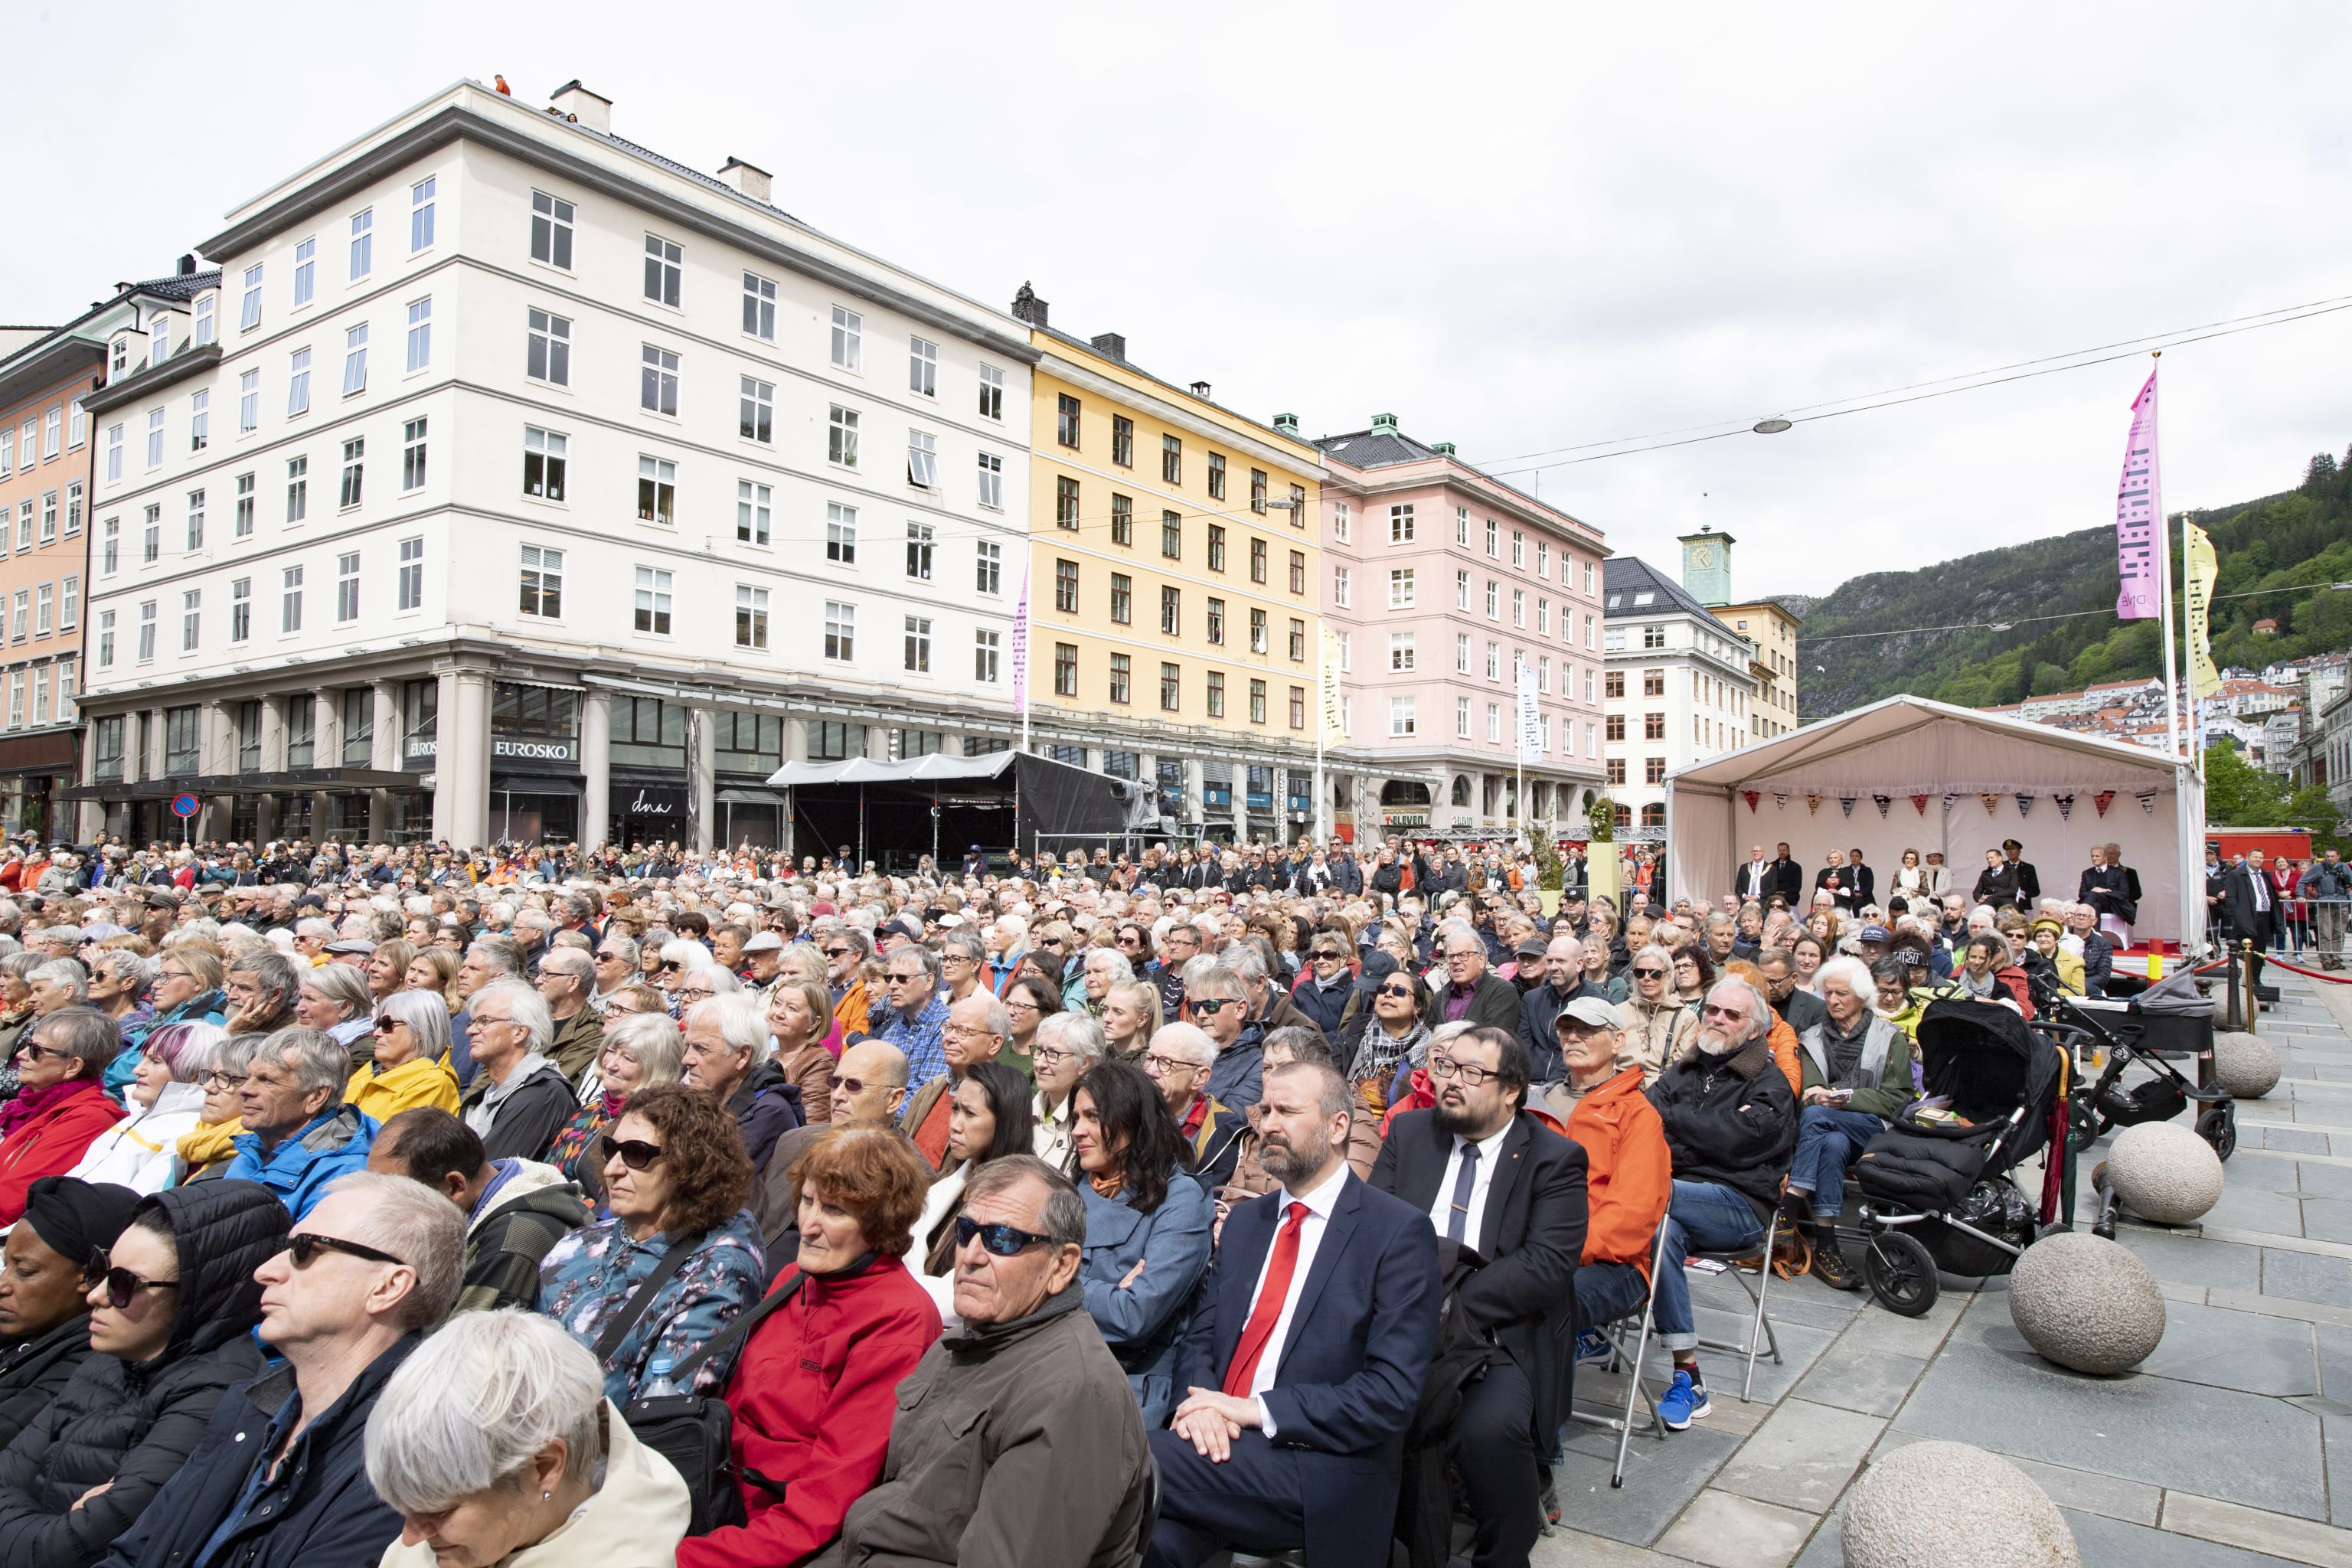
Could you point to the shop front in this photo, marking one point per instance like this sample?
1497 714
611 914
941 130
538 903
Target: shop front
33 770
650 807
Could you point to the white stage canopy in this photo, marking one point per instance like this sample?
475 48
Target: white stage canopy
1909 773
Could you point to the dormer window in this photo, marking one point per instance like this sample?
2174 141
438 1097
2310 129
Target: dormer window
159 340
205 334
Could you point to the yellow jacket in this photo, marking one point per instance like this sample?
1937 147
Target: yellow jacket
416 1081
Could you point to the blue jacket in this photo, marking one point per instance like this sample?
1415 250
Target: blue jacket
1326 1008
335 1143
1144 1323
1237 1077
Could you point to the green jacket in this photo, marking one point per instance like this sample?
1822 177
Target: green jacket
1893 1091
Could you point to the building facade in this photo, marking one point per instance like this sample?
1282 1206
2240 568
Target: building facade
1173 594
1680 688
553 488
1443 581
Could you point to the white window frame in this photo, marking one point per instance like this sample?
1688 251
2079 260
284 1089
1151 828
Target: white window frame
840 534
362 247
420 334
249 312
923 459
848 340
420 215
665 271
754 513
922 367
760 309
555 216
356 357
547 339
840 645
653 599
751 617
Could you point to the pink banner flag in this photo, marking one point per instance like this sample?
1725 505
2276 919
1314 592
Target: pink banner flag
2137 514
1021 650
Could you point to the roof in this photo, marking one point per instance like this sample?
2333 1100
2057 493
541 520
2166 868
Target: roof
1625 578
1375 449
1124 363
180 286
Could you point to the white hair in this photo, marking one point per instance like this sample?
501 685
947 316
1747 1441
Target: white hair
1186 1040
530 1009
63 971
1850 973
742 1023
476 1403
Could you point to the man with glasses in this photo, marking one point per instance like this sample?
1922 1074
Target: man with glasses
869 1089
298 1134
1502 1185
1179 1061
490 960
280 1475
977 1030
1180 947
519 1100
1472 993
1564 981
913 1016
567 976
763 956
1217 999
1801 1010
845 950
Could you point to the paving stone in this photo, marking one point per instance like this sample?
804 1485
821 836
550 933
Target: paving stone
2278 1307
2297 1539
2268 1200
1802 1457
1565 1548
1800 1346
1826 1549
1661 1479
2307 1277
2296 1142
1726 1532
2235 1350
2112 1543
1871 1381
2323 1181
1879 1330
2327 1219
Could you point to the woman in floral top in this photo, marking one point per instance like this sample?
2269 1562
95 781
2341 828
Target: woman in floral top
675 1170
641 1049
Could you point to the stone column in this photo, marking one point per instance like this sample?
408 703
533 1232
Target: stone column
596 767
383 810
273 761
215 753
444 709
326 751
151 747
462 775
702 781
90 816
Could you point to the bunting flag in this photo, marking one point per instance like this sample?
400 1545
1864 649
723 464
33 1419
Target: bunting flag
1779 800
1812 802
2025 803
1991 802
1920 804
2196 596
2139 515
1751 797
1949 796
1846 801
1882 802
2103 799
2065 806
2147 799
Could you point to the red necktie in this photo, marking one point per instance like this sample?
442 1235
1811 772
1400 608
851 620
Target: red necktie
1268 1310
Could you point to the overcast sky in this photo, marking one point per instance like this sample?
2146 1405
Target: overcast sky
1519 228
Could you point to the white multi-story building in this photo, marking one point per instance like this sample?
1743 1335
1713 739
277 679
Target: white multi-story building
519 481
1680 686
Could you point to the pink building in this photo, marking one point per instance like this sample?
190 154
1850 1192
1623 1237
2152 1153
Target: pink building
1442 580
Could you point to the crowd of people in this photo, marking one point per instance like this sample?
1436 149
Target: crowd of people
406 1204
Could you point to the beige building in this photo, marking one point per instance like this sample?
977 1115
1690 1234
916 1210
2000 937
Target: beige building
1771 626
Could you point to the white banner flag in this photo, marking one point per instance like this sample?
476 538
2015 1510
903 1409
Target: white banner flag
1530 718
1335 722
1021 650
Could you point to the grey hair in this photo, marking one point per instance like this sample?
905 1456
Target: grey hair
476 1403
1448 930
653 1040
723 982
626 945
1244 959
1064 1221
124 964
1759 1011
344 983
64 971
742 1023
499 956
21 964
998 1019
685 952
1216 982
93 1039
529 1011
416 1224
321 1060
234 1053
426 1013
314 926
1187 1040
966 942
281 979
1075 1032
570 963
1112 960
925 956
1851 972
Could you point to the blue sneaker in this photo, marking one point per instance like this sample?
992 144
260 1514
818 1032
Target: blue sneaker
1593 1349
1684 1402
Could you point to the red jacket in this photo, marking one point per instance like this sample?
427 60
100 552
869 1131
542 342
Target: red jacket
51 1145
812 1397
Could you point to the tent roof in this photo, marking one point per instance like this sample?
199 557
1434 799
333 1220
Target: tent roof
938 767
1942 747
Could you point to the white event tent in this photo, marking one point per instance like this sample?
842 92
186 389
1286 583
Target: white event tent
1909 773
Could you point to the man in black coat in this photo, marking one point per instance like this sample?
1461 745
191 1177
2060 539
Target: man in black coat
2029 882
1502 1185
1861 879
1789 878
2249 909
1564 981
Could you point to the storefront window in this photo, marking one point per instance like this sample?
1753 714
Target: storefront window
750 743
648 733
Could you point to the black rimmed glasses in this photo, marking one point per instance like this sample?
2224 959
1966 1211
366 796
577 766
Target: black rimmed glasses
1472 1075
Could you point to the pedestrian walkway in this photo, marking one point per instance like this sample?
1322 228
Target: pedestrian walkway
2229 1448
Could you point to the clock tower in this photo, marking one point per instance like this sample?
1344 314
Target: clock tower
1706 567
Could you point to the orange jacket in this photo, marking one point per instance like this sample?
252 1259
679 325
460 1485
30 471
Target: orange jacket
850 1011
1629 1174
1783 1041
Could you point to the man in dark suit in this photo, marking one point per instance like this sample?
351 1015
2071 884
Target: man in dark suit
1289 1438
1508 1188
1861 879
2249 909
1756 878
1788 878
1472 991
1801 1010
2029 882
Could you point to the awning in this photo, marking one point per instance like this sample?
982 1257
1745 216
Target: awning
938 768
301 781
748 797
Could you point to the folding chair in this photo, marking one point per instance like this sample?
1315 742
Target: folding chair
1762 1255
1623 1423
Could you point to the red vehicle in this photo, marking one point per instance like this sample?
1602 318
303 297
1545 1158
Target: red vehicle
2268 842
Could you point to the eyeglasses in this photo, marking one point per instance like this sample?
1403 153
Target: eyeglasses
636 1153
1043 1057
1002 1240
839 952
606 955
854 1086
1712 1011
386 1026
1403 991
1159 1064
38 1052
903 979
1471 1074
306 1245
1022 1008
122 1285
222 1080
1329 957
668 965
1210 1006
1649 972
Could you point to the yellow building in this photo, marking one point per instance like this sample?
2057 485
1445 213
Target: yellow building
1771 627
1174 589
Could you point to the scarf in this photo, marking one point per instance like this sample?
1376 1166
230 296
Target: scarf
34 1102
208 1142
614 1104
1981 990
1108 1186
1378 1056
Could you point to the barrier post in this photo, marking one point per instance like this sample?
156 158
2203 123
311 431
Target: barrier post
2253 1004
2230 967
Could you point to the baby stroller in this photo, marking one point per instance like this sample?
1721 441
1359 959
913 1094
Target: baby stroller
1939 1196
2168 1019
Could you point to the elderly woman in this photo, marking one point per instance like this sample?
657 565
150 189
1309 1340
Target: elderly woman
1382 1035
334 999
1104 969
1655 1020
988 1119
17 998
495 1442
1147 1226
799 1016
1129 1016
676 1180
816 1389
166 1099
641 1049
2046 934
1068 1044
1029 1002
119 983
409 1066
205 1149
1857 1077
60 1107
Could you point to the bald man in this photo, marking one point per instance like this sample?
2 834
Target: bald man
869 1089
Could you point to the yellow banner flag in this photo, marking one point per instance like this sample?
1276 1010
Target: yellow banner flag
1335 720
2197 593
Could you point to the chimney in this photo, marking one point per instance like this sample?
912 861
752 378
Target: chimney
754 182
1111 345
1200 390
1288 424
1385 424
577 102
187 265
1027 307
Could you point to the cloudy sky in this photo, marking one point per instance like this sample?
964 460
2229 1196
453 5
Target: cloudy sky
1520 229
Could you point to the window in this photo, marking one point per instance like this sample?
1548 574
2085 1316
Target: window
1519 606
759 309
1258 631
1065 420
1494 600
657 490
1341 588
1257 560
1543 619
1171 688
919 547
1461 525
347 588
1065 502
420 215
544 462
664 269
113 454
841 439
1543 675
1216 698
754 510
191 619
1401 524
1654 637
542 581
298 384
755 418
1217 475
1217 622
1494 721
1653 769
1543 565
118 359
549 356
1065 587
354 452
195 522
1171 460
848 337
1613 685
1401 651
420 333
835 743
840 631
1494 661
1122 599
49 517
8 451
1172 534
69 604
111 546
1342 525
751 617
155 437
1654 683
43 609
146 630
1616 723
1494 546
989 578
208 305
1518 549
1401 716
73 510
658 381
1462 653
290 605
249 315
362 243
77 426
652 601
355 347
841 533
1298 640
1298 570
1217 547
551 230
991 393
991 481
1121 679
1400 588
106 646
249 400
1653 726
1298 713
151 537
409 581
985 647
412 455
923 459
922 367
1257 701
1258 490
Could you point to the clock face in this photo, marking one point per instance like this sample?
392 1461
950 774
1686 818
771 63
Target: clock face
1702 557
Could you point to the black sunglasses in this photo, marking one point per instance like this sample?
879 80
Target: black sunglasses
306 1245
636 1153
1002 1240
1394 991
1211 1006
122 1285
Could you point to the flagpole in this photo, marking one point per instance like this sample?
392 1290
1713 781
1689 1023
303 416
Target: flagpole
2164 578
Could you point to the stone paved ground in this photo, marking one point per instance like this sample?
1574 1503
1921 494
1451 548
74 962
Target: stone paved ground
2230 1446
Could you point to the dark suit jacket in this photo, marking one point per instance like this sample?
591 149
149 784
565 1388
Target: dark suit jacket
1865 883
1494 1000
1788 880
1802 1010
1359 1344
2239 919
1755 879
2028 884
1531 1236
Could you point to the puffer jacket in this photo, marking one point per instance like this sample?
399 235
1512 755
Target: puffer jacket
135 1423
32 1371
1730 1120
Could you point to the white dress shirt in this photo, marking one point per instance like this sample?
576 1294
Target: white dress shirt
1441 1212
1320 1204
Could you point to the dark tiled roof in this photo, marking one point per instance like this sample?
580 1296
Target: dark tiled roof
1624 576
1373 449
180 286
697 175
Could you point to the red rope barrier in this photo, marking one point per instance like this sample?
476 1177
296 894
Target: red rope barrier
2298 969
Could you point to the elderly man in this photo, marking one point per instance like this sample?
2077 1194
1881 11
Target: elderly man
914 1015
1017 1443
487 962
978 1029
1217 1000
262 988
280 1476
1629 1174
2099 953
1471 994
532 929
616 966
1180 947
725 1055
1270 1007
762 956
1179 1060
567 979
1730 1120
515 1210
869 1089
1066 1045
519 1100
298 1134
1857 1077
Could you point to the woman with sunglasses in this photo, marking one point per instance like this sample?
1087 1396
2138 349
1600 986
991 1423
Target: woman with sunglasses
640 1050
1384 1035
676 1179
1655 1021
44 1320
165 1099
990 1117
1029 1001
409 1065
1148 1221
170 1318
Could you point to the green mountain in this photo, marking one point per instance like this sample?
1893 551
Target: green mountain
2038 618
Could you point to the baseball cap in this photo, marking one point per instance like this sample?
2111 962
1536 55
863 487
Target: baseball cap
1876 934
1532 948
1590 1011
